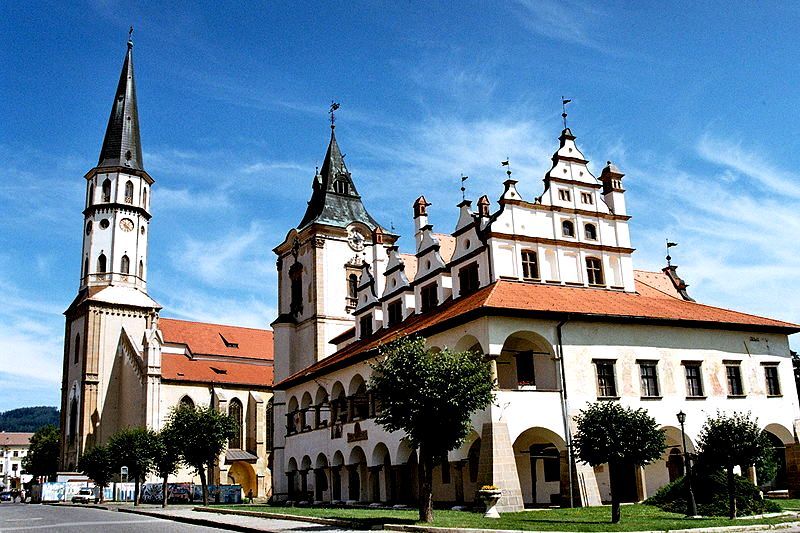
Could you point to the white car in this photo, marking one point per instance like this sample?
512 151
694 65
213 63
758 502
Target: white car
85 495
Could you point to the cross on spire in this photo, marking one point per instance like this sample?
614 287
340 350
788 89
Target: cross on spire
130 35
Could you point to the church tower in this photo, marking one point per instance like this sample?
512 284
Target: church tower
111 356
319 271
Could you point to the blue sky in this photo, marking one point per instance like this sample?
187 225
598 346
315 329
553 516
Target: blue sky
695 103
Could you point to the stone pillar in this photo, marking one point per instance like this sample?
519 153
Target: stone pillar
793 469
497 466
304 485
751 475
353 483
336 483
641 483
290 484
375 483
492 358
458 480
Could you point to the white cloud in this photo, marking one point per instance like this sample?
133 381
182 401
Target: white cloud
249 311
166 198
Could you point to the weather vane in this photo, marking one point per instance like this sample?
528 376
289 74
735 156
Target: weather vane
130 34
332 111
463 188
564 102
670 245
507 163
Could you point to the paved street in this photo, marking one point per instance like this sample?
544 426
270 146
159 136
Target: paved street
28 517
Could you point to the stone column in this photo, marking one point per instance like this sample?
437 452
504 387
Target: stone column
458 480
353 489
303 485
498 467
336 483
492 358
793 469
375 482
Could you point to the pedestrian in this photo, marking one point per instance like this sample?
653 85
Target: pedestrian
250 496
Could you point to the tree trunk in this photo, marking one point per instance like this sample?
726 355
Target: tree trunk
425 486
731 493
613 481
164 492
136 491
102 489
203 484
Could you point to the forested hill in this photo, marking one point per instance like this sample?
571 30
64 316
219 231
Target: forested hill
28 419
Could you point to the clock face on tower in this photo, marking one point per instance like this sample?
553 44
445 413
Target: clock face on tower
355 240
126 224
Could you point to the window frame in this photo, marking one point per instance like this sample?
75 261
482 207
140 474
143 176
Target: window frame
429 297
611 364
565 195
394 312
654 379
528 264
769 368
567 223
367 321
469 280
736 376
700 384
587 198
586 232
594 272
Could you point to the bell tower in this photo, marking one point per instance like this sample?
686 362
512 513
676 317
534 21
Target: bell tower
111 354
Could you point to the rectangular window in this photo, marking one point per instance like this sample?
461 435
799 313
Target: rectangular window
694 380
606 384
296 277
366 326
734 374
564 195
16 453
525 373
530 266
395 312
429 296
587 198
773 383
468 281
14 467
649 373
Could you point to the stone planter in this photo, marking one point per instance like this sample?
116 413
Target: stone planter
490 498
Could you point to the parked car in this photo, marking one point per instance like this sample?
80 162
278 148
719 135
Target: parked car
85 495
5 496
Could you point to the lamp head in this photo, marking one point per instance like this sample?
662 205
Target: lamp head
681 417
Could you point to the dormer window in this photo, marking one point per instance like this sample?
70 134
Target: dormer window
568 228
530 265
395 312
564 195
340 187
590 231
594 271
586 198
228 343
366 326
429 297
468 279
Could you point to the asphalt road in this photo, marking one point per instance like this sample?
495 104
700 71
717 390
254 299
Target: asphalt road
40 518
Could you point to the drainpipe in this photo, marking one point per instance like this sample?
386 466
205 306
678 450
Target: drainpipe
564 407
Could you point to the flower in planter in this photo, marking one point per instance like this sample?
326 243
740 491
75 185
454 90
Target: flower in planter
490 487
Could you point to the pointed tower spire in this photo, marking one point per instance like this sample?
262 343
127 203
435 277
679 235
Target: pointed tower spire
121 145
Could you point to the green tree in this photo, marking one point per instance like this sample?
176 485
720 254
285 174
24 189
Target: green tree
167 458
42 458
201 434
136 449
96 463
430 397
729 440
620 436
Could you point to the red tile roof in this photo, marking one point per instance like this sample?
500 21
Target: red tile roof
248 363
656 284
15 439
209 339
521 299
179 367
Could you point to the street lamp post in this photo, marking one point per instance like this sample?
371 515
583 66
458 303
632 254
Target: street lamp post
691 506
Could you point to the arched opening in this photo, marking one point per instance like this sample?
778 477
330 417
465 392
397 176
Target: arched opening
73 420
107 190
235 412
359 400
541 459
77 352
322 407
527 362
293 422
242 473
186 401
590 232
144 198
85 267
336 476
380 479
321 485
292 479
306 492
305 411
141 269
125 265
352 286
357 489
671 464
340 187
129 192
469 343
567 228
338 404
405 484
778 436
101 264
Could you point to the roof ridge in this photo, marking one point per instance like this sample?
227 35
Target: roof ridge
656 288
213 324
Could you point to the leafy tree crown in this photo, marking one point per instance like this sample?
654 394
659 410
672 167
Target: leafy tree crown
732 439
201 433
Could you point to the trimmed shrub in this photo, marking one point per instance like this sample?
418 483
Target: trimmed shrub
711 495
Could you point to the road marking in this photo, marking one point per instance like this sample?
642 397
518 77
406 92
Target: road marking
73 524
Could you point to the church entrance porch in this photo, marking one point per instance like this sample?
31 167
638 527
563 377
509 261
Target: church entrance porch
242 473
540 456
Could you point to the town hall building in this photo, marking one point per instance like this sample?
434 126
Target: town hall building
543 283
124 365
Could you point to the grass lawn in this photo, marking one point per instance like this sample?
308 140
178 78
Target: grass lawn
789 505
634 518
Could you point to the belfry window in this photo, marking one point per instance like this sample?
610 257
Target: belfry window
352 286
340 187
590 231
235 412
594 271
144 198
85 267
141 269
568 228
296 278
129 192
73 420
77 354
530 266
125 265
101 264
107 190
